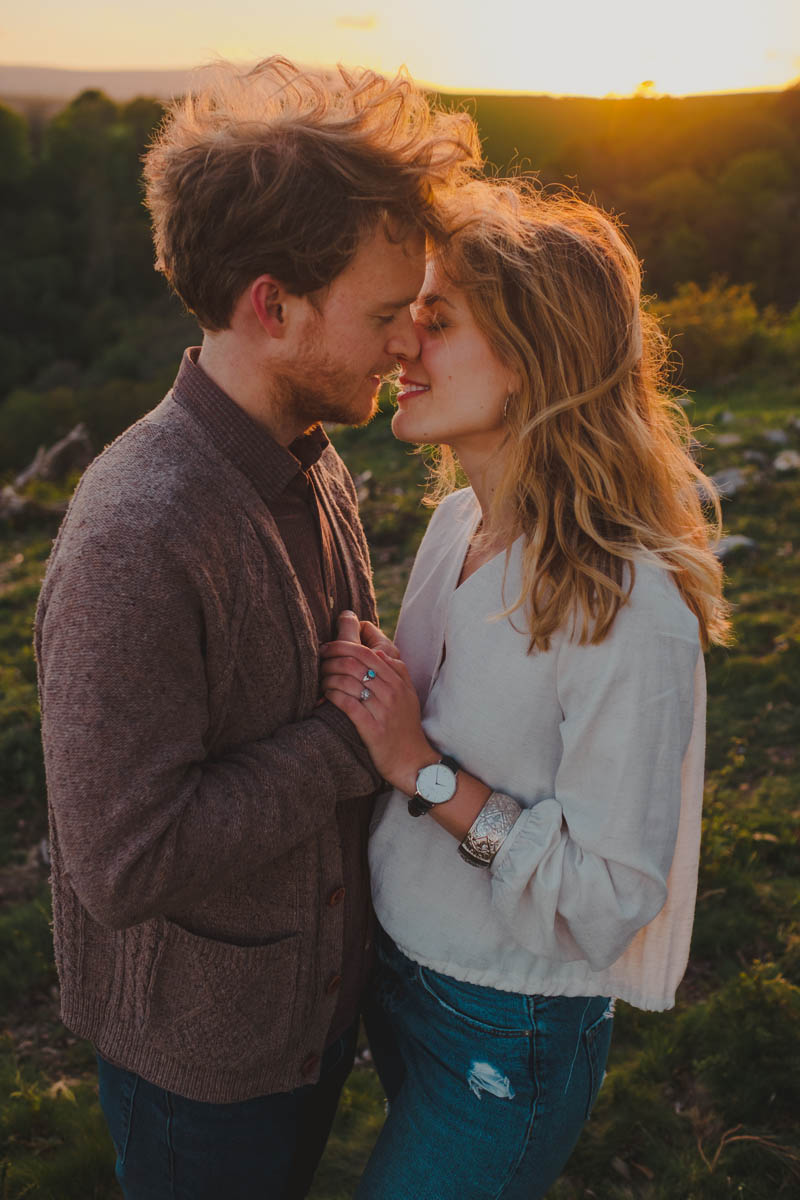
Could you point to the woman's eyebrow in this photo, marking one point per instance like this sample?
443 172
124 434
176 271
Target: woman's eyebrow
434 298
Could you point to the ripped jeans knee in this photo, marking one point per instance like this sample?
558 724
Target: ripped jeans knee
484 1077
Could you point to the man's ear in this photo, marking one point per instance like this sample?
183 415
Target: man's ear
268 299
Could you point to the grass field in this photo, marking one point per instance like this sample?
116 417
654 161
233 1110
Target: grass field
700 1103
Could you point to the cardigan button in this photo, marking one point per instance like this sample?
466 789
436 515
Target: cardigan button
310 1065
336 897
333 985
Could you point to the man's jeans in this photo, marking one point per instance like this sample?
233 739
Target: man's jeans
268 1148
488 1090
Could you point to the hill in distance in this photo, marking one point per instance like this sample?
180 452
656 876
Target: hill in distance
25 83
55 83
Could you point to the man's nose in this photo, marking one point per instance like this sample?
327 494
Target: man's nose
404 341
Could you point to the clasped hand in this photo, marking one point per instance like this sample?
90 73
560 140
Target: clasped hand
388 718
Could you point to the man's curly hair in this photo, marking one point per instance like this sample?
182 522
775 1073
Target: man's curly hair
282 170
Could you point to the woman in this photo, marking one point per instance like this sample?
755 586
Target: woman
537 857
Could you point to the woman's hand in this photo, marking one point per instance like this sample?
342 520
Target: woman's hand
388 718
376 640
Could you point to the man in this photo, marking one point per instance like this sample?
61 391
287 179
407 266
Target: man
208 816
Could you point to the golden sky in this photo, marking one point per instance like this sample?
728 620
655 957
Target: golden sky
561 46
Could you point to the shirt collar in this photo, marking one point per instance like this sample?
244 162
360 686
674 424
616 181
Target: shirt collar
269 466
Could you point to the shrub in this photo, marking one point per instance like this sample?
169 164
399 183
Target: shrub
26 951
744 1045
53 1141
716 332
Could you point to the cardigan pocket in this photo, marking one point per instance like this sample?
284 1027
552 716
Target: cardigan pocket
215 1004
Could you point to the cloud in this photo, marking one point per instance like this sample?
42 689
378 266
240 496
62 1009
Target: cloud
368 21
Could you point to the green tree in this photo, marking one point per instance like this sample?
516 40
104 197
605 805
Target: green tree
15 151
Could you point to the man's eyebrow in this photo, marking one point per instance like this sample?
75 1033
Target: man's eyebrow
401 303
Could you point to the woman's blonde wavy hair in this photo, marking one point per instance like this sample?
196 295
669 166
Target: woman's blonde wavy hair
597 473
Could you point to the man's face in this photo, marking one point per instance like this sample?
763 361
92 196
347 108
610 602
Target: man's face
364 328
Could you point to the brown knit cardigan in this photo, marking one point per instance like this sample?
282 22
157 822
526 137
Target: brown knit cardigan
192 781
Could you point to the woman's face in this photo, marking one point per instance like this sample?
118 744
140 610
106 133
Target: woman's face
456 390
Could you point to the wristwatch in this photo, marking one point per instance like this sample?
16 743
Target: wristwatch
436 783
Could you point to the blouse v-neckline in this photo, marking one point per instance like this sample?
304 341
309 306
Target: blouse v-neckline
456 587
462 557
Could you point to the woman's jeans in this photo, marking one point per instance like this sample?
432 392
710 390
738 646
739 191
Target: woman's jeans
487 1090
171 1148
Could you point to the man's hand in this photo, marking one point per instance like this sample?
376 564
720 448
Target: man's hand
348 628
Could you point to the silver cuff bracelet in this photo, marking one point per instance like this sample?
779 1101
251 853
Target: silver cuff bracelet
489 830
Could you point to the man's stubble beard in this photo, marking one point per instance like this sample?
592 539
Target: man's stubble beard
322 393
322 399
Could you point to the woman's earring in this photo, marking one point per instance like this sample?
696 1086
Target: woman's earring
505 406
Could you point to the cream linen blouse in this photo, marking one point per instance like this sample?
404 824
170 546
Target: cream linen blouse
593 890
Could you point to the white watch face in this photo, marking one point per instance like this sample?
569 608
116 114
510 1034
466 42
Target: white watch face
436 783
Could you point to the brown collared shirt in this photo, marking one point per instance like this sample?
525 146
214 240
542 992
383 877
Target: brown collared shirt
285 480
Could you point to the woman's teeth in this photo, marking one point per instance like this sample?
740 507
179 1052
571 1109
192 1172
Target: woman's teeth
413 389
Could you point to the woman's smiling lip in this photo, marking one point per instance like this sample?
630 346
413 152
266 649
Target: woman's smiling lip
411 387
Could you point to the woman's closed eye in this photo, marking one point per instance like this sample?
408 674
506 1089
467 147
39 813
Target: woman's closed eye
434 325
